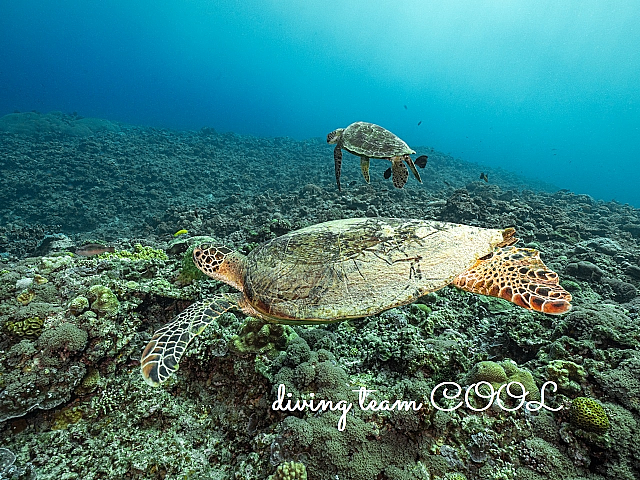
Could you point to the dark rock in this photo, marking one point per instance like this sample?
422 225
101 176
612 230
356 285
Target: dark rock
624 291
601 244
632 228
605 324
585 270
633 271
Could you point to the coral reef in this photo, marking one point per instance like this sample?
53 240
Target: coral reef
505 372
78 305
26 297
105 301
290 471
65 417
215 419
260 336
189 271
567 375
588 414
29 327
140 252
54 123
66 336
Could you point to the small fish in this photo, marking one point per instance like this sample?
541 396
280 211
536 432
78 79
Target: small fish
405 107
447 184
180 232
485 177
420 123
91 249
352 183
387 172
421 161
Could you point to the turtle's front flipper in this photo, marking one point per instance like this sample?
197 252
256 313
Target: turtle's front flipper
161 356
407 159
364 166
399 172
337 158
517 275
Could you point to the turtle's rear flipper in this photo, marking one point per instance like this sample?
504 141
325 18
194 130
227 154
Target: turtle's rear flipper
161 356
399 172
407 159
364 166
517 275
337 158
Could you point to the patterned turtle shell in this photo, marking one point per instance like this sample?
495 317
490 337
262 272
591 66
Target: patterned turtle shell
373 141
358 267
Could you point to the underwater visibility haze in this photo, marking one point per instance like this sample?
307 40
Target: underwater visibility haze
323 213
547 90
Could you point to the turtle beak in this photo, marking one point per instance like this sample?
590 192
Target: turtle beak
334 136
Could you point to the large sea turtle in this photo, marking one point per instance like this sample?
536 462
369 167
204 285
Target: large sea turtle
368 140
354 268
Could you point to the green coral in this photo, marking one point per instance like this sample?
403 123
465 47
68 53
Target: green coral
495 304
567 375
422 307
29 327
105 300
545 459
523 376
504 372
290 471
132 285
489 371
78 305
587 414
189 271
259 336
63 337
89 382
454 476
140 252
350 453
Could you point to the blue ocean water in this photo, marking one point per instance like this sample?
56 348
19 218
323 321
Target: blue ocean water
547 89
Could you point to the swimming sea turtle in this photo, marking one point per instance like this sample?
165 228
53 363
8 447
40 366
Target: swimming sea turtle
354 268
368 140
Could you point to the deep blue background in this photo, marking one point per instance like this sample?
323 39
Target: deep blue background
549 89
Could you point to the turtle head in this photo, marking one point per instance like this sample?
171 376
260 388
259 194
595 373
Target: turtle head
334 136
219 262
508 237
